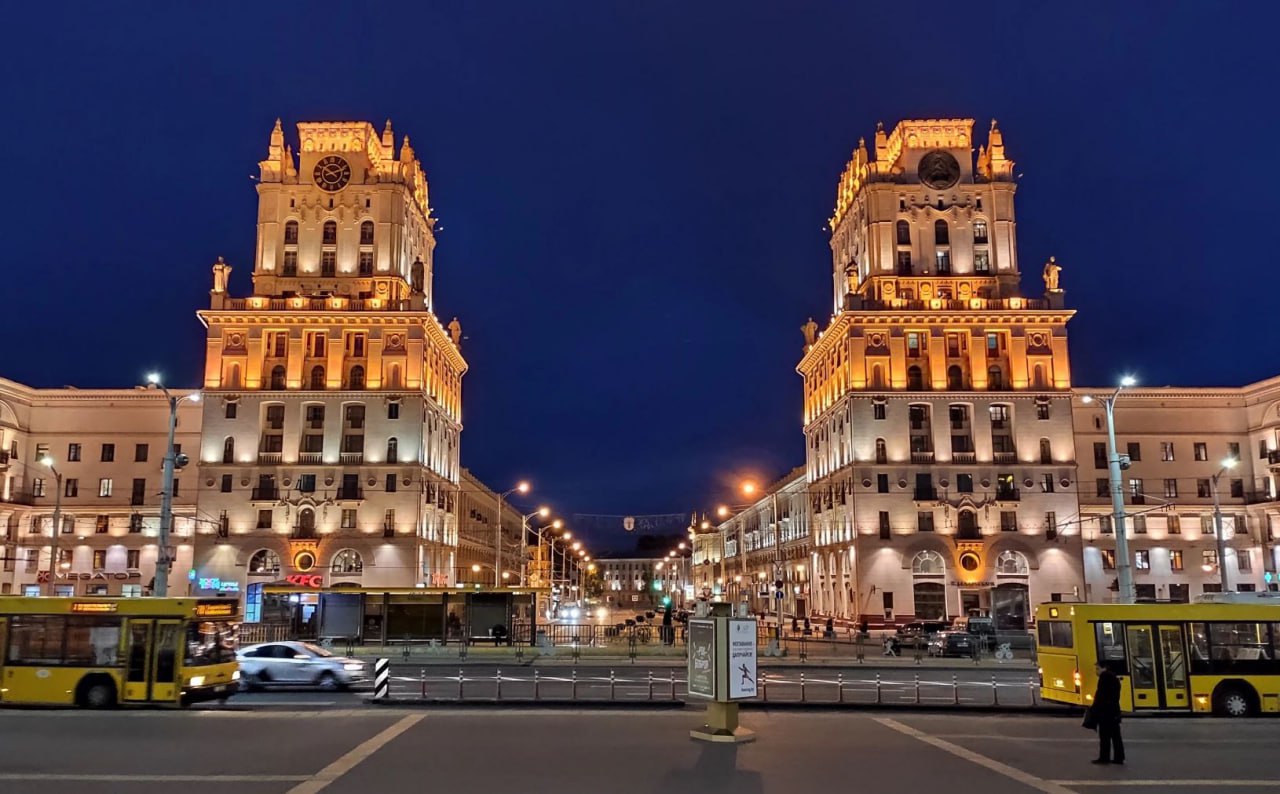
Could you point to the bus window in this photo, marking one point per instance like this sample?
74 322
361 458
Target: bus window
138 631
1110 640
166 642
1234 648
211 642
36 639
1055 634
1143 655
92 641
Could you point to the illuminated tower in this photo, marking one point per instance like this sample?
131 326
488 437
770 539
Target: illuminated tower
937 407
331 425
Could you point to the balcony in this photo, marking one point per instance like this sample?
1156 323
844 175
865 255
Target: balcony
1008 495
350 493
1005 457
926 494
350 458
388 530
269 494
922 457
311 458
964 457
270 458
303 533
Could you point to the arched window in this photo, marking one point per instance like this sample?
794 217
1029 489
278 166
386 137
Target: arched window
366 233
264 561
306 523
941 233
1039 377
233 376
1046 451
955 378
317 377
967 526
346 563
229 450
393 376
291 233
882 453
904 233
980 232
995 379
877 376
928 563
915 379
357 377
1012 563
330 233
277 377
393 450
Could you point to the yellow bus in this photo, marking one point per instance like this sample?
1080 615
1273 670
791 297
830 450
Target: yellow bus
104 652
1221 658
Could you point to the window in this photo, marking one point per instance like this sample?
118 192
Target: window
1244 561
37 486
1262 449
1104 525
955 378
264 519
291 233
131 590
99 559
1139 525
904 263
290 263
104 486
393 410
366 263
1108 559
72 487
1051 523
1046 483
328 263
366 233
924 521
995 379
1201 451
878 410
348 518
1202 489
1099 455
1175 560
904 233
928 563
229 411
981 262
347 562
1233 450
229 450
1175 525
1209 558
135 523
393 452
317 377
357 377
980 232
1103 486
1206 526
964 483
133 559
942 258
1170 488
882 483
1008 521
329 233
140 452
1042 409
1055 634
391 483
1046 457
884 525
276 383
307 483
1012 563
1135 451
1136 494
73 453
1166 450
941 232
913 345
915 379
101 524
1237 489
108 453
264 562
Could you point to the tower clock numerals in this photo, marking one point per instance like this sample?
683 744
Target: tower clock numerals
332 173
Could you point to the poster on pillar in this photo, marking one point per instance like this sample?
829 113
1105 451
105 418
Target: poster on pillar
742 659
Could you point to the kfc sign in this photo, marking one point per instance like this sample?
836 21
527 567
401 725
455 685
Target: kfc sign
313 580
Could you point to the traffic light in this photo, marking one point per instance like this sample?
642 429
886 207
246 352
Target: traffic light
657 585
666 601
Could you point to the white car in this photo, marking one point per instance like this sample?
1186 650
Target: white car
297 664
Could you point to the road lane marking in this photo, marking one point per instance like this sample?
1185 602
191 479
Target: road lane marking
1087 740
151 778
1207 783
354 757
1026 778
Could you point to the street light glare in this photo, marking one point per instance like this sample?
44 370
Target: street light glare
1088 398
722 511
557 524
681 547
47 460
522 487
194 396
153 377
748 488
1128 380
475 568
1229 463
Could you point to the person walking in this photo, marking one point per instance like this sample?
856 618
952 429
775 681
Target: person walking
1105 712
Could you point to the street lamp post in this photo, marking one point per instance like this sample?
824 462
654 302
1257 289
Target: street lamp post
1227 464
524 536
1124 568
749 489
522 487
163 559
57 525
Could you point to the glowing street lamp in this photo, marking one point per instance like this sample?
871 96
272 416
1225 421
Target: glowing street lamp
1124 568
1227 465
57 524
520 487
172 461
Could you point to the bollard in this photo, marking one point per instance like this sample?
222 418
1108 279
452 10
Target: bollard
519 654
839 687
917 689
1031 685
535 684
422 679
459 683
462 649
672 679
861 650
802 686
651 685
877 689
764 685
804 650
497 687
955 690
611 685
918 653
573 684
995 692
381 679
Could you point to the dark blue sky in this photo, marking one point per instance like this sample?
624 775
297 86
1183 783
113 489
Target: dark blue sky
632 196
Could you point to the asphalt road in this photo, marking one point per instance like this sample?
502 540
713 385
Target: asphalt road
305 751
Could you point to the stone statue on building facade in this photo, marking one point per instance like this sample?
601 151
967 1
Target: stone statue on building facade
455 332
1051 271
416 276
221 275
810 331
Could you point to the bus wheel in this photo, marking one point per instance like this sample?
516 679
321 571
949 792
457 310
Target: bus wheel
97 692
1234 700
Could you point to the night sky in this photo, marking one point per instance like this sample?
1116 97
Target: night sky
632 196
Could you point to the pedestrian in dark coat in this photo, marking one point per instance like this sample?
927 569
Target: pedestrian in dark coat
1105 712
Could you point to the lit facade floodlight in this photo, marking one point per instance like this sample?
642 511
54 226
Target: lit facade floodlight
475 568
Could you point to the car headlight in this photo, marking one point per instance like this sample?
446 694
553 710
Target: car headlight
353 666
196 680
235 676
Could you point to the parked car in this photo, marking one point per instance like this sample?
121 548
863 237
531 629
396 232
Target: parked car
983 628
297 664
953 643
917 634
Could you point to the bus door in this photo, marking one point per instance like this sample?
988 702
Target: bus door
137 674
1157 666
152 670
165 683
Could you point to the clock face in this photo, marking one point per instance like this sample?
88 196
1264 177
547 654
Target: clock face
332 173
939 170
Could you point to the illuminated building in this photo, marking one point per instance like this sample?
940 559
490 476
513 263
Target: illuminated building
332 408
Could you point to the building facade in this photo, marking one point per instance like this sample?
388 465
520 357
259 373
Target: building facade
332 393
642 582
108 445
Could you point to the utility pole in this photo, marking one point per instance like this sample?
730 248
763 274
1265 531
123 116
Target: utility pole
57 526
1229 463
